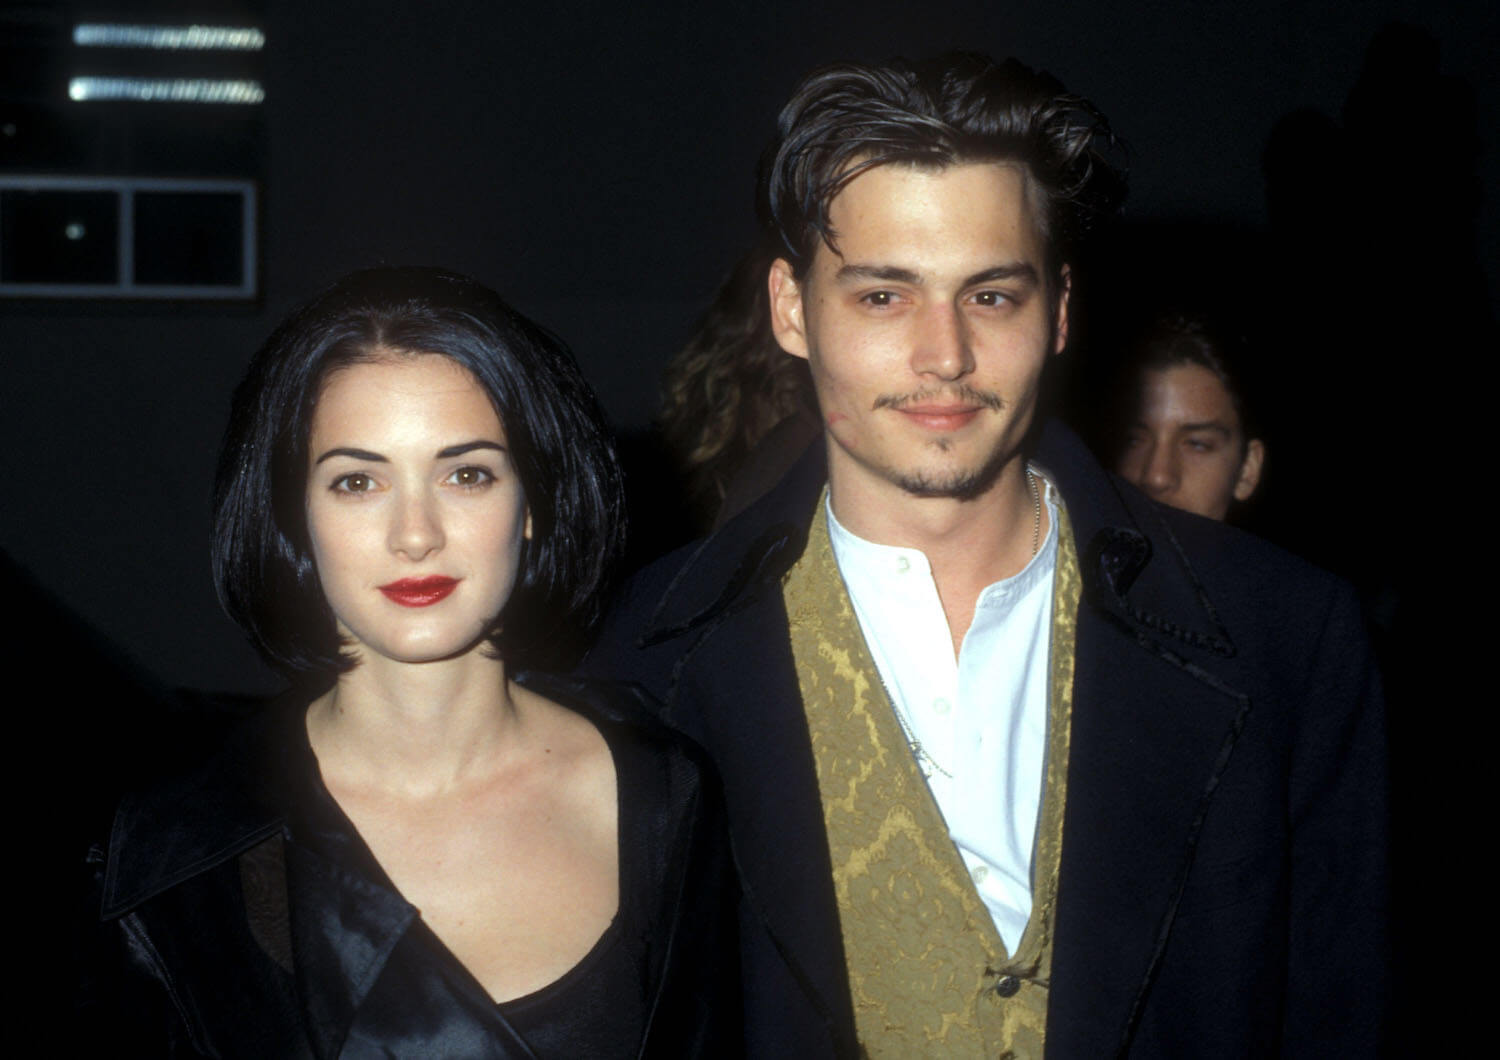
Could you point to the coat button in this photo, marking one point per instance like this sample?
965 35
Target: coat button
1007 986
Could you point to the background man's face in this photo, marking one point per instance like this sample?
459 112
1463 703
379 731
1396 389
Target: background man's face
1186 447
928 329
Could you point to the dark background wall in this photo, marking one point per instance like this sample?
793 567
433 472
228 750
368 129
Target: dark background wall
594 163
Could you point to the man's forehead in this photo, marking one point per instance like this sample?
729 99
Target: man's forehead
881 195
906 216
1188 395
861 168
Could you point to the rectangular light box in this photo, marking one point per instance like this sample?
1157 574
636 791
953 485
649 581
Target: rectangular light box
127 237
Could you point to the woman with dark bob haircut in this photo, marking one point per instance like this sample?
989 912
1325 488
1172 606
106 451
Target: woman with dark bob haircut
422 851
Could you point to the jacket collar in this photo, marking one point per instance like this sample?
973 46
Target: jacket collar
1134 569
190 823
345 916
755 547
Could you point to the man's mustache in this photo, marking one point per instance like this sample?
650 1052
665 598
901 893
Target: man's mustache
962 394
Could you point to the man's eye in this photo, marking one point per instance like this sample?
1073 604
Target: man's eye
991 298
879 299
1202 445
358 482
471 477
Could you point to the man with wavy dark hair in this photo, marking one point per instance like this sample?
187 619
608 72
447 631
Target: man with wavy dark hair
1016 760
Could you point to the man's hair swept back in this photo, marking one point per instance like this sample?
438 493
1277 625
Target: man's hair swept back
959 107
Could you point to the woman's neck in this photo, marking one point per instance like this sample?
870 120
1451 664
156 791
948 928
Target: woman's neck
418 729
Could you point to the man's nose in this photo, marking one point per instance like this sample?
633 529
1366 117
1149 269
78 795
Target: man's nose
416 528
943 346
1162 470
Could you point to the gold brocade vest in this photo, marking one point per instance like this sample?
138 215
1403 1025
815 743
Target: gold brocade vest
928 971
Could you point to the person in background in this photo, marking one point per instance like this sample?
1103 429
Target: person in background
736 411
1189 439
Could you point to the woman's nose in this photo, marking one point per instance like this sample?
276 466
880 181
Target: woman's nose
416 530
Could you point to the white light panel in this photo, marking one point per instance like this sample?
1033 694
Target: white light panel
171 38
164 90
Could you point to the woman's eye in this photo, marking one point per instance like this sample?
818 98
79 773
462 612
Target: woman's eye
358 482
471 477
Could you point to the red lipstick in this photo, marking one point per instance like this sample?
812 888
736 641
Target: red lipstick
420 592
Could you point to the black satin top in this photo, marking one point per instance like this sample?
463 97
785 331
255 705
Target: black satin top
602 1000
594 1005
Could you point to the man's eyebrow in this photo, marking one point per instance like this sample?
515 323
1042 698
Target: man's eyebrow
892 273
1023 271
355 454
1217 426
469 447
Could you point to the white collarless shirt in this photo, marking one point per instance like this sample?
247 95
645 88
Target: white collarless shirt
980 720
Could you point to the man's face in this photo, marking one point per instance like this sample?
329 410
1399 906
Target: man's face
1186 447
927 330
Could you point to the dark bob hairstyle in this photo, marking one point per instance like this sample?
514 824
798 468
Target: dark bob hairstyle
263 564
955 108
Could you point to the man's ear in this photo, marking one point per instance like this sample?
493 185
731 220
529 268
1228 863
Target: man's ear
1060 326
788 322
1255 456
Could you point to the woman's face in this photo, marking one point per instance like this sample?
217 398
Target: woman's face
414 510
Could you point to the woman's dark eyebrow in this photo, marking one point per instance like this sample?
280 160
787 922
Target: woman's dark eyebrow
468 447
376 458
356 454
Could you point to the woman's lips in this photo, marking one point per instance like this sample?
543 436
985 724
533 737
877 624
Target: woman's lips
419 592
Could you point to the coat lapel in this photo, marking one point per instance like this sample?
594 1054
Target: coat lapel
1153 730
371 977
728 597
343 930
776 822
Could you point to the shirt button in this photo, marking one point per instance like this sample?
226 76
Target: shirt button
980 873
902 564
1007 986
940 705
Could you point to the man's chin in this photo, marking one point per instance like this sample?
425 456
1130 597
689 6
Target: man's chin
960 484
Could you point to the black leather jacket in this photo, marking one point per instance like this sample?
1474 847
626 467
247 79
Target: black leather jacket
237 913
